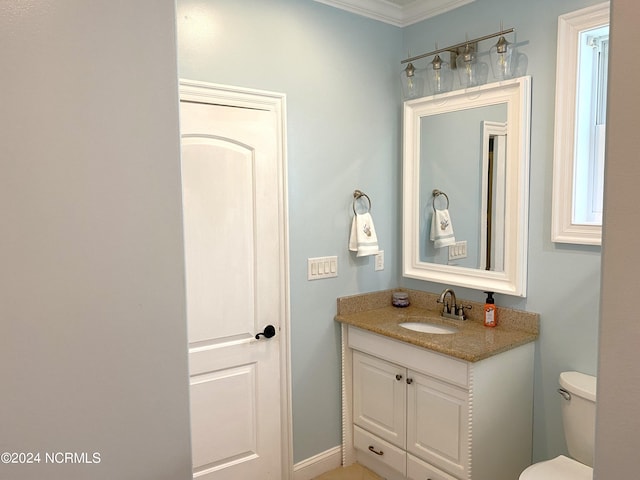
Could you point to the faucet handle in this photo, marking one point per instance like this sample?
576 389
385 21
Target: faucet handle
459 309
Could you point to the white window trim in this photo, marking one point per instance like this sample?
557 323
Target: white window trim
563 230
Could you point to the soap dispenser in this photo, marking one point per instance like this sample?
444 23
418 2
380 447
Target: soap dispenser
490 317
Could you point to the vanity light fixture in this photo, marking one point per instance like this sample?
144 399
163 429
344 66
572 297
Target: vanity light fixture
412 83
470 72
440 77
464 57
502 58
501 55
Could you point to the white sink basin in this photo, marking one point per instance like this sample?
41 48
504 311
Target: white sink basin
428 327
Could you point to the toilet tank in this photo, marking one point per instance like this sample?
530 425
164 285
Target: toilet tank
579 414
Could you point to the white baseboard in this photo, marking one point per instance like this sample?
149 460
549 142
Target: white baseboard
318 464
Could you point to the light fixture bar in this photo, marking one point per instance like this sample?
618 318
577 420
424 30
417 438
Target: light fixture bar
458 45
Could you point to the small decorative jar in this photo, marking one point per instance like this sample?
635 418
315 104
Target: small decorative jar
400 299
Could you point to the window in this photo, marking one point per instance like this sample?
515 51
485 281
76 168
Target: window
591 112
581 98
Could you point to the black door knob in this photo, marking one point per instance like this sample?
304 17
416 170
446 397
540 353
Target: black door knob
269 331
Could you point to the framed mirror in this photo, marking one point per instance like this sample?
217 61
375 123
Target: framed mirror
466 187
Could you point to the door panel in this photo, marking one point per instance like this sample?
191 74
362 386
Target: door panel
235 438
438 419
221 283
379 395
233 245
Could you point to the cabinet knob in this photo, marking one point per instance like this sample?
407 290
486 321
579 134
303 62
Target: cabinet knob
409 381
398 377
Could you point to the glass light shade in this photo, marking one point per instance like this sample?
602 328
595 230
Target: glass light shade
412 82
467 68
521 64
502 59
482 73
439 76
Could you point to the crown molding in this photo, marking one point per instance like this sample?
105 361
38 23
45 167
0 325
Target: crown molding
394 14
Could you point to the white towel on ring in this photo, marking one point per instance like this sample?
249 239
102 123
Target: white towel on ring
363 238
442 229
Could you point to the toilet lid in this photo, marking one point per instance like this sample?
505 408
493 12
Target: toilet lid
560 468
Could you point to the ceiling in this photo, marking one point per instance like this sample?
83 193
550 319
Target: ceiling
397 12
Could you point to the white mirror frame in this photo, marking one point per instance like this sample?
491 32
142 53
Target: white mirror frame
570 25
516 93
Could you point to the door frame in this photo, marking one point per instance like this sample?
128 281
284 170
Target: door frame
226 95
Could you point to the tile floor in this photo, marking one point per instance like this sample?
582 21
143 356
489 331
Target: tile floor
352 472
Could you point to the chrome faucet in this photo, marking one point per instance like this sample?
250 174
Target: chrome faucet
452 310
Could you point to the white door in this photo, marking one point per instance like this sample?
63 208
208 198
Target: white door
235 277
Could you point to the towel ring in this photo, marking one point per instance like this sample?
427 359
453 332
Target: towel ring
436 193
357 195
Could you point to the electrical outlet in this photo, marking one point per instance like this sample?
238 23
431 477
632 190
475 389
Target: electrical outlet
379 261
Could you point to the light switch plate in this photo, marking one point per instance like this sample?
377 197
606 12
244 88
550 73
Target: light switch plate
458 250
322 267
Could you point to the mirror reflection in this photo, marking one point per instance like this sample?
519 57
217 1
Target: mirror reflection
463 155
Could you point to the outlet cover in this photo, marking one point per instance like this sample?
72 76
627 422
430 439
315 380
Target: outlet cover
379 261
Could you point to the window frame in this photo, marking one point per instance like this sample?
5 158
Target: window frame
570 27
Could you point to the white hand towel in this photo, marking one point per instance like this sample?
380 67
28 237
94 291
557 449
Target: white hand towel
442 229
363 238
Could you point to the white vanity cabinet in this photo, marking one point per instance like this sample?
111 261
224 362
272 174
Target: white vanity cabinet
412 411
422 415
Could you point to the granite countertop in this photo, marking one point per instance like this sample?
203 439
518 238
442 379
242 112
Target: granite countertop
472 342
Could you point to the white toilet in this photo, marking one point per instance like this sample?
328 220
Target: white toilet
578 417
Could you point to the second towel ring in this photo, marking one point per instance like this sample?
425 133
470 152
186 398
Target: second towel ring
359 194
436 193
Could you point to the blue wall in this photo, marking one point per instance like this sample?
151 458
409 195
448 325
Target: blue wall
343 117
340 74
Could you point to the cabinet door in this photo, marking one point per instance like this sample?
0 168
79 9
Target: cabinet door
437 423
379 398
